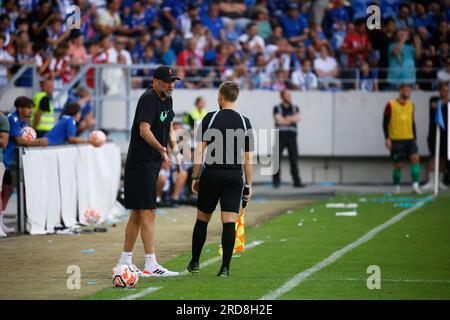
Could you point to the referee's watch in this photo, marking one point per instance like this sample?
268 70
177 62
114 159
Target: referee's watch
194 177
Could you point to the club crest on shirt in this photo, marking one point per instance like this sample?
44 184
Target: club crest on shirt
163 115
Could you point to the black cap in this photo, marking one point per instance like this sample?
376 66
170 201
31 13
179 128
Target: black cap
165 73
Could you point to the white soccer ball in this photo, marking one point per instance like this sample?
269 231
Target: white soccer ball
125 276
98 137
28 133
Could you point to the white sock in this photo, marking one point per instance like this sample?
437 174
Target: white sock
158 199
415 184
431 176
126 258
150 260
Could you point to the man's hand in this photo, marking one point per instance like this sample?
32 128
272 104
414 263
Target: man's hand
388 143
178 160
194 186
165 156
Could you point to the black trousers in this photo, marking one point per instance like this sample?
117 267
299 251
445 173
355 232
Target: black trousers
288 140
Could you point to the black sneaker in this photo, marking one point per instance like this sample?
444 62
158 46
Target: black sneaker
224 272
193 267
299 185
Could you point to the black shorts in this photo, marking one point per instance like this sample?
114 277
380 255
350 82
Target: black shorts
403 149
140 189
442 146
225 185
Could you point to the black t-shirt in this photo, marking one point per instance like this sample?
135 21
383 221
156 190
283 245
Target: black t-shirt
44 104
228 124
159 114
286 111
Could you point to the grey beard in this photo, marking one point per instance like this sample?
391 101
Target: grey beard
167 94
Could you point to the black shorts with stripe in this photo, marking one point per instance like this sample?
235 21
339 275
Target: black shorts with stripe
224 185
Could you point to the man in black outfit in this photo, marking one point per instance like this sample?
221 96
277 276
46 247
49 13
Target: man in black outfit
221 178
286 117
152 130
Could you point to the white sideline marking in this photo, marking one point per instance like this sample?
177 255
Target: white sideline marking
251 245
149 290
386 280
141 294
300 277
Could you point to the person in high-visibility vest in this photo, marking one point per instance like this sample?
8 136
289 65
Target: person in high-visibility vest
197 114
43 117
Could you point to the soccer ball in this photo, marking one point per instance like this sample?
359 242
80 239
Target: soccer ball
92 216
98 137
125 276
28 133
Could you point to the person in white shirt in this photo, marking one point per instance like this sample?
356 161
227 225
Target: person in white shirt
5 61
184 21
114 78
256 42
326 68
443 75
304 79
108 20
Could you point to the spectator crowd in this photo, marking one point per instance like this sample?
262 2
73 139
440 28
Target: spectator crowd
260 44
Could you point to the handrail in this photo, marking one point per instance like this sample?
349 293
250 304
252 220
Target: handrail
16 77
80 74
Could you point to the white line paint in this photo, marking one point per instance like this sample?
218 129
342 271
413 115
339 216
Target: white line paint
384 280
141 294
251 245
149 290
300 277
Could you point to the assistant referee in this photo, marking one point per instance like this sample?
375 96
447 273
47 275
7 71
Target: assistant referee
151 131
231 144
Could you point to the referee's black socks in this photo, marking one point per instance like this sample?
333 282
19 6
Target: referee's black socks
198 239
228 238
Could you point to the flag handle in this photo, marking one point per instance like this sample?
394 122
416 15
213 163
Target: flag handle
436 160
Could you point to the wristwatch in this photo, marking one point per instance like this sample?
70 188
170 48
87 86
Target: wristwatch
194 177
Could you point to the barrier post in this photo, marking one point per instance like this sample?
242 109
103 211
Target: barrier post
20 193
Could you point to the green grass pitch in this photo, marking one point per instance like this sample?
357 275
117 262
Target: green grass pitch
413 256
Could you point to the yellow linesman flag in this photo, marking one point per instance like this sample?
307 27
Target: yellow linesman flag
240 236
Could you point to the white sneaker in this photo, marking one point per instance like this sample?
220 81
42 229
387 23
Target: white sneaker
158 271
7 229
132 266
2 234
397 190
428 186
442 186
416 188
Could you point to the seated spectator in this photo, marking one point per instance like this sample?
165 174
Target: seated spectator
108 20
59 67
277 34
263 24
426 76
199 34
231 34
441 36
423 18
118 54
77 52
6 60
338 14
239 74
39 20
304 79
146 74
83 98
213 22
280 81
401 55
443 75
404 19
233 10
190 51
295 29
442 54
255 42
170 11
258 75
195 77
367 78
184 21
25 57
65 129
139 20
326 68
298 56
164 53
337 40
55 33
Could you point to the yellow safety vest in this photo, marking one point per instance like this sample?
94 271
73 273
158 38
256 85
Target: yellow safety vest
196 115
47 118
401 122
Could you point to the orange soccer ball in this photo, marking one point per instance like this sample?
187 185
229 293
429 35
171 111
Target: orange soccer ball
98 137
125 276
28 133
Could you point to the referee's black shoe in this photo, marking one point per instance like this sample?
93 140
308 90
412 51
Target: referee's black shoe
224 272
193 267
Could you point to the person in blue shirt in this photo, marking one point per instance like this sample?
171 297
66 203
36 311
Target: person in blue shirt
65 130
18 120
87 120
295 27
213 22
